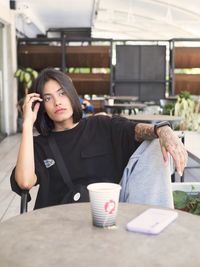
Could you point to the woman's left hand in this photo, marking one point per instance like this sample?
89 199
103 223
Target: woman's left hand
171 143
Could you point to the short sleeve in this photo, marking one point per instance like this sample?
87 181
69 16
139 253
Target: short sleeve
15 187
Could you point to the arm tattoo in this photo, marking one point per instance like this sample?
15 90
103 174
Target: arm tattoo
144 131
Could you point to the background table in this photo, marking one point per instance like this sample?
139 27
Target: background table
64 236
118 108
152 118
123 98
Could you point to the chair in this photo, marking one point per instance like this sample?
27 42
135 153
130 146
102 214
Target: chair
24 202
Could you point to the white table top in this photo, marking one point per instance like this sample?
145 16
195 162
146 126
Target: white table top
152 117
64 236
123 98
192 144
126 105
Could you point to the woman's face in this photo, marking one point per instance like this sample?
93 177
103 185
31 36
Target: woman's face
57 105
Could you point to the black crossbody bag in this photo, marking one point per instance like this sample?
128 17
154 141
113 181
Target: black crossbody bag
76 193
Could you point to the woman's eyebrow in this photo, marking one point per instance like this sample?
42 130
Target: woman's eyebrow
59 89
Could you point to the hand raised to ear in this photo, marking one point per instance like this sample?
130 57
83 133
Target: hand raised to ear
30 112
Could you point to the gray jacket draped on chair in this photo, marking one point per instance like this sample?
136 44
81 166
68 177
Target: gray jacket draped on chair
146 179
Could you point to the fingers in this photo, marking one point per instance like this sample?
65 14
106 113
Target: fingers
179 156
36 107
31 98
165 155
185 159
178 166
170 143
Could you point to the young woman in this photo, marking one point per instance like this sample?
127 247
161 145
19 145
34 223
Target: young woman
94 149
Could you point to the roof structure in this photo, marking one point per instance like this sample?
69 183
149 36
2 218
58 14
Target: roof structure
117 19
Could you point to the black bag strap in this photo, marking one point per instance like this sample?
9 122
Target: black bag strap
60 162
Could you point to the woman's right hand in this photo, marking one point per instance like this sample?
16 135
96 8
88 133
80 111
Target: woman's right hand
30 114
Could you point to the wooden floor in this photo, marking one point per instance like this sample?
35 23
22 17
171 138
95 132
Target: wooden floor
10 202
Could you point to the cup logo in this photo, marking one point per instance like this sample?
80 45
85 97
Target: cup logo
110 206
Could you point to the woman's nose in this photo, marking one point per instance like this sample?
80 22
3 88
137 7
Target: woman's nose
57 101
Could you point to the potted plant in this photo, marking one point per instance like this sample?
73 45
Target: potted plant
25 76
186 108
187 196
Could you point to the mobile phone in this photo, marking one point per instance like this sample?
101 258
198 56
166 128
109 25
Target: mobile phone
152 221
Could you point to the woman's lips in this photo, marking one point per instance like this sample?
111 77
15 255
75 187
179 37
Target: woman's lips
60 110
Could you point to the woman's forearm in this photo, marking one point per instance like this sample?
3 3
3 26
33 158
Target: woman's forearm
144 131
25 167
169 142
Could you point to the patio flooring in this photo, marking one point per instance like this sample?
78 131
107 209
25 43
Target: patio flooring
9 201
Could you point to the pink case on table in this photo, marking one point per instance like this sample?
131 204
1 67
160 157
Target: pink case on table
152 221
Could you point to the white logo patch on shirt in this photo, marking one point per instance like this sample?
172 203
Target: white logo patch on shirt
49 162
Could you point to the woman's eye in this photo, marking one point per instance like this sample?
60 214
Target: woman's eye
62 93
47 98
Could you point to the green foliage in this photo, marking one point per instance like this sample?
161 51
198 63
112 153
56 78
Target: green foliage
180 199
187 202
76 70
79 70
26 76
185 94
186 108
168 109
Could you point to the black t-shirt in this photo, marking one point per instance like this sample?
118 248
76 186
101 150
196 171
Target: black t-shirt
96 150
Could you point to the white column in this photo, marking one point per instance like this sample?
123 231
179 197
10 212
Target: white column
9 83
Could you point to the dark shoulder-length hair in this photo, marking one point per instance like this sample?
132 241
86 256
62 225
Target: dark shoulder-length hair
43 123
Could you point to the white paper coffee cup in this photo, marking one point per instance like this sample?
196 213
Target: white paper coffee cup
104 199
